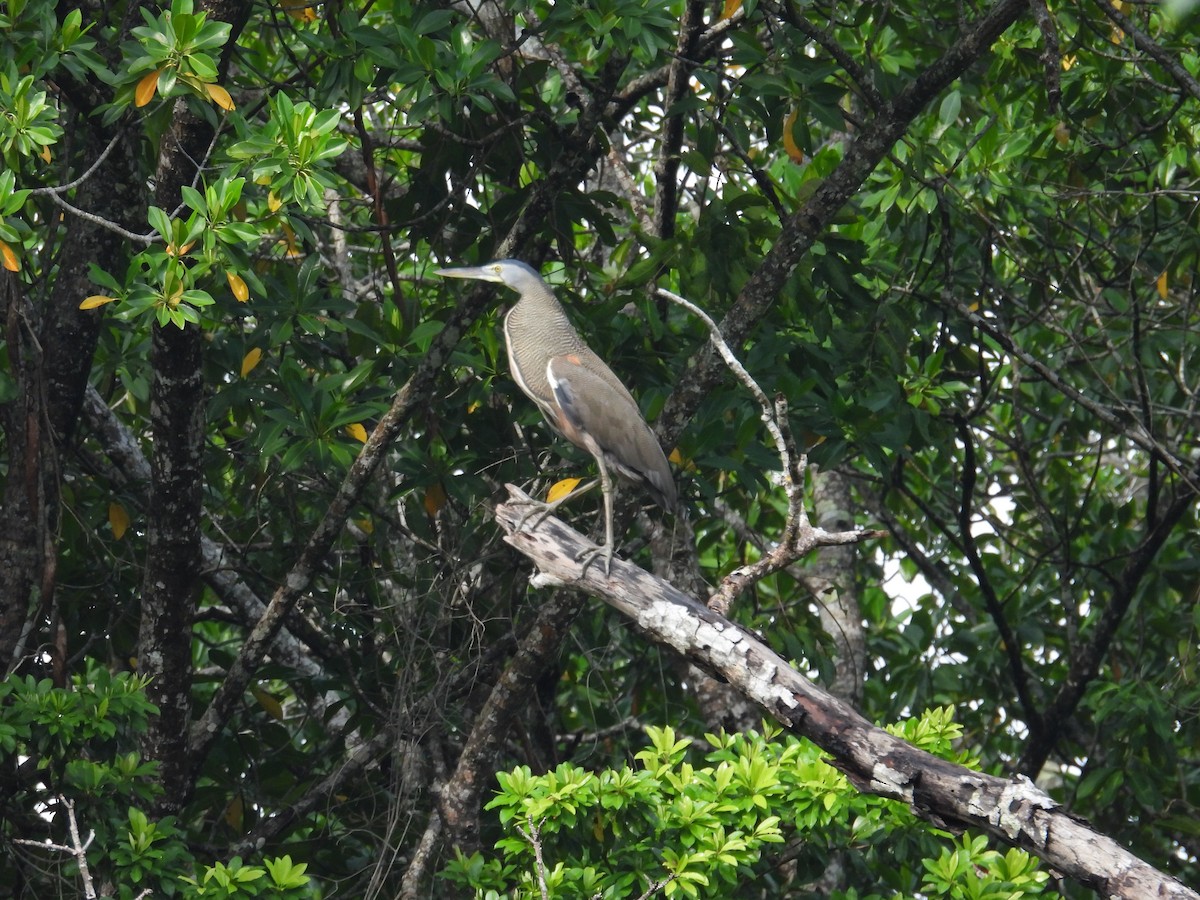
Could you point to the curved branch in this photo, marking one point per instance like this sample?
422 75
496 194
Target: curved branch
1151 48
1013 811
1012 648
865 151
1085 661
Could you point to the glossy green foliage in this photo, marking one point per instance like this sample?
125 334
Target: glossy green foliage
688 825
68 761
993 342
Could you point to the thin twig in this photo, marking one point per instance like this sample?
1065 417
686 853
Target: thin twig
143 239
776 426
63 188
533 835
799 536
77 847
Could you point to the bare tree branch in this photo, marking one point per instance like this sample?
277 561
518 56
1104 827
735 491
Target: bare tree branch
1011 810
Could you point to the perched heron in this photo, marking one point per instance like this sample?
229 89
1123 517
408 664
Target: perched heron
576 391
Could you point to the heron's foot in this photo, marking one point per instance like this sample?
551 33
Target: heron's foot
587 557
538 511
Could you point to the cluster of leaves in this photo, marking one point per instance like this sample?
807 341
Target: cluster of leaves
703 830
1069 228
68 754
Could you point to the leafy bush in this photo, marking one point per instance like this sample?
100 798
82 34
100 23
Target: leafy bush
708 828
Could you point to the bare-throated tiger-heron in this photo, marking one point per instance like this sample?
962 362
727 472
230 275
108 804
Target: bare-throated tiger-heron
575 389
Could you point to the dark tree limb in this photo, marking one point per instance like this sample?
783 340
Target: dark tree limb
460 796
1152 48
23 501
1012 810
666 169
171 583
1051 55
1087 657
869 147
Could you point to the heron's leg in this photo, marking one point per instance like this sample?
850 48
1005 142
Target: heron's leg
587 556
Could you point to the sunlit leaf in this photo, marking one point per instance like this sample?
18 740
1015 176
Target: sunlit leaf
219 96
677 459
250 360
237 284
789 139
96 300
300 10
146 89
9 258
118 519
356 431
560 489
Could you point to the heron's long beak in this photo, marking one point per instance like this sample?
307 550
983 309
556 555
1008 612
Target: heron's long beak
479 273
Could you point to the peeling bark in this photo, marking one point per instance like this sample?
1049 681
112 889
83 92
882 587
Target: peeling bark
1013 810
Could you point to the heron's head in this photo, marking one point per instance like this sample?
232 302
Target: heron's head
510 272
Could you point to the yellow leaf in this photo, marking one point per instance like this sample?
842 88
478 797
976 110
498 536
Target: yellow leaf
270 704
677 458
250 360
289 240
366 525
146 89
219 96
789 139
96 300
473 406
118 520
731 7
356 431
300 10
435 499
561 488
44 153
1068 60
273 202
234 814
238 285
172 250
9 258
1161 284
1062 134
